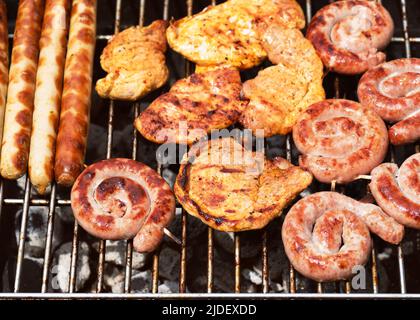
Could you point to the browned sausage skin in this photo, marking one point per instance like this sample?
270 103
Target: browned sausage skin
121 199
20 94
348 34
4 63
392 89
49 84
397 191
77 88
340 140
326 234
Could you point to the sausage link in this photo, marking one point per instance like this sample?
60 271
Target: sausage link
49 84
339 140
77 88
4 63
20 94
348 34
405 131
326 234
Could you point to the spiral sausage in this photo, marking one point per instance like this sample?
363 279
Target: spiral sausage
121 199
20 94
397 192
77 88
392 89
348 34
4 62
313 229
49 80
340 140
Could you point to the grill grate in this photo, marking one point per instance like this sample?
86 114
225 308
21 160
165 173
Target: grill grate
54 201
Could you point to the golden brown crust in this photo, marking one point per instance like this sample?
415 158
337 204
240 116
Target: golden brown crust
76 98
135 62
226 34
193 107
279 94
340 139
121 199
49 84
239 196
4 63
348 34
20 95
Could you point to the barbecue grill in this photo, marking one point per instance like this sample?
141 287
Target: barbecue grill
391 272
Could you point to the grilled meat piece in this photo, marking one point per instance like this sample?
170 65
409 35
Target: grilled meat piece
135 62
279 94
226 34
233 189
193 107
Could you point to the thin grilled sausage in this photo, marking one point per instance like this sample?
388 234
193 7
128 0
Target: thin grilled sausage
4 63
397 191
121 199
348 34
339 140
77 88
316 226
21 90
49 84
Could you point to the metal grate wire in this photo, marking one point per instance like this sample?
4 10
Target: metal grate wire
52 203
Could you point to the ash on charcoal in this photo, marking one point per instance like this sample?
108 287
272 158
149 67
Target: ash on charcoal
169 260
141 281
114 278
65 214
169 287
36 231
60 268
115 253
250 242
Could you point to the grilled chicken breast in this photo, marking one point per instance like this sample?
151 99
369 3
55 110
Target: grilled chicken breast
193 107
280 93
226 34
135 62
233 189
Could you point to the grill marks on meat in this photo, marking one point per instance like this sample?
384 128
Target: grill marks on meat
226 34
340 140
233 189
193 107
76 98
20 95
397 191
135 62
326 234
348 34
49 85
392 89
280 93
4 63
121 199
